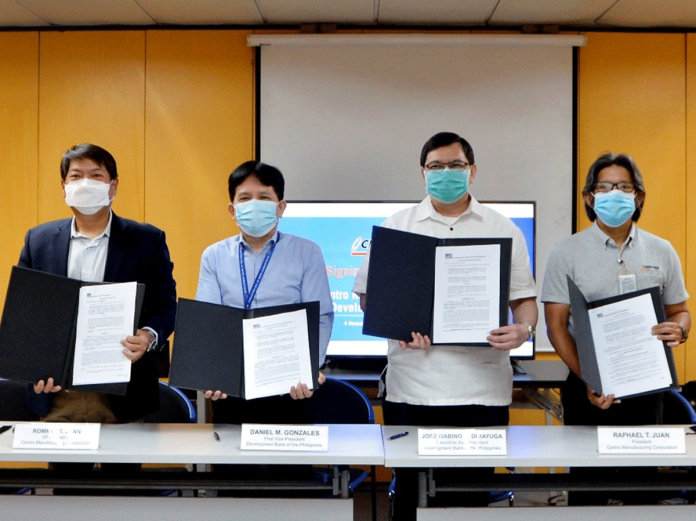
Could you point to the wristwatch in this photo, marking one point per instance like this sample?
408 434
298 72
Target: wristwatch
152 346
685 335
530 329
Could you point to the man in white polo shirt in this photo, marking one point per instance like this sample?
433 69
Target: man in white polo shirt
453 385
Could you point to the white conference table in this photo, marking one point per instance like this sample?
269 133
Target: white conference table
184 444
538 446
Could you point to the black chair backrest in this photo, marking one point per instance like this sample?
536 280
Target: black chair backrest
676 409
13 402
175 407
337 401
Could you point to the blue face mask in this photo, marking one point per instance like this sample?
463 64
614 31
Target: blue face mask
614 208
256 218
447 186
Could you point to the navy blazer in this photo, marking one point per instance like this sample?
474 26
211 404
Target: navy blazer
137 252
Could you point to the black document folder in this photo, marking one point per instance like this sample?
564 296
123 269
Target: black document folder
589 366
37 332
401 283
208 350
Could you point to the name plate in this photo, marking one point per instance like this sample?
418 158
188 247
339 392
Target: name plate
641 440
300 438
83 436
462 442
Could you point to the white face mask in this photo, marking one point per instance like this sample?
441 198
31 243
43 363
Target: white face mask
87 196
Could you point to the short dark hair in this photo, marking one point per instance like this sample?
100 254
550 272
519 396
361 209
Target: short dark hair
96 153
266 174
445 139
608 159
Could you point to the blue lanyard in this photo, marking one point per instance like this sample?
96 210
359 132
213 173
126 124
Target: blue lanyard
249 296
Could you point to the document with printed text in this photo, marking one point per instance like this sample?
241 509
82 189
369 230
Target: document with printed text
105 316
631 360
467 293
618 353
276 354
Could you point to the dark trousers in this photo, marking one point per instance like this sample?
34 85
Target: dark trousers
406 485
641 410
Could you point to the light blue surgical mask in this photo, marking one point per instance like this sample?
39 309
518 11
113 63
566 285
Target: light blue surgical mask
447 186
255 217
614 208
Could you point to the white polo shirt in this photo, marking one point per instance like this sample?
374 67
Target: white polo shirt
444 374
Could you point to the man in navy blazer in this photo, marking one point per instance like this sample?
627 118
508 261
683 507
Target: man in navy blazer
98 246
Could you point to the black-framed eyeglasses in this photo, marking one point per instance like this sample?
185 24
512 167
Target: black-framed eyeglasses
456 166
624 186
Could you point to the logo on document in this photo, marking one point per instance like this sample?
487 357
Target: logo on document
360 247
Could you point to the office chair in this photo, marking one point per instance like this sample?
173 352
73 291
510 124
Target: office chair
13 402
337 401
174 407
13 408
676 409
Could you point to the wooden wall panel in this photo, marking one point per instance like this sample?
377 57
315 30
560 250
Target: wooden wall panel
92 90
19 77
200 126
631 92
690 194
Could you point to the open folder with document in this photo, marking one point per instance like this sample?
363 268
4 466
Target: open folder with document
245 353
618 353
68 330
453 290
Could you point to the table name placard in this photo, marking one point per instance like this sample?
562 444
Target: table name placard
462 442
300 438
68 436
641 440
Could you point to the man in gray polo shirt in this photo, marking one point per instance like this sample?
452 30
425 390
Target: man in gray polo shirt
610 258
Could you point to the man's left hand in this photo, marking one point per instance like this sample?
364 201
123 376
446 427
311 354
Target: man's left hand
301 391
136 345
669 332
508 337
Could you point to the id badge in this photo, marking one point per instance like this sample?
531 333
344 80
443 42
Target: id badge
627 279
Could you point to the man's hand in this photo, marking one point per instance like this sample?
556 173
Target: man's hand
301 391
215 395
48 387
508 337
419 342
136 345
669 332
599 400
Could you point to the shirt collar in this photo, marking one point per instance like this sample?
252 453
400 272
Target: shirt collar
268 244
74 234
607 241
426 210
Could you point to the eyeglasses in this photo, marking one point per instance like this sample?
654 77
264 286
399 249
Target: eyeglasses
624 186
456 166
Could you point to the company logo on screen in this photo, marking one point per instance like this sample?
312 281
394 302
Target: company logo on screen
359 247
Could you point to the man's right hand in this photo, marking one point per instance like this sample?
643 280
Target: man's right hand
48 387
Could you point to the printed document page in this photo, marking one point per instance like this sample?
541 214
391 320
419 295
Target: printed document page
467 293
276 354
105 316
630 359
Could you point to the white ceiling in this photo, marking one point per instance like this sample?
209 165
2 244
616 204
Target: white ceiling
469 13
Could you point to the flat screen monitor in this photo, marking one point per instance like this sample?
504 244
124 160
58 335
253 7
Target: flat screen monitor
343 229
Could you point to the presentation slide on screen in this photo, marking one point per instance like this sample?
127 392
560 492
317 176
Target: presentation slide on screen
343 231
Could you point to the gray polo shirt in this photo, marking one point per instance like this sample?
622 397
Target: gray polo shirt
593 261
